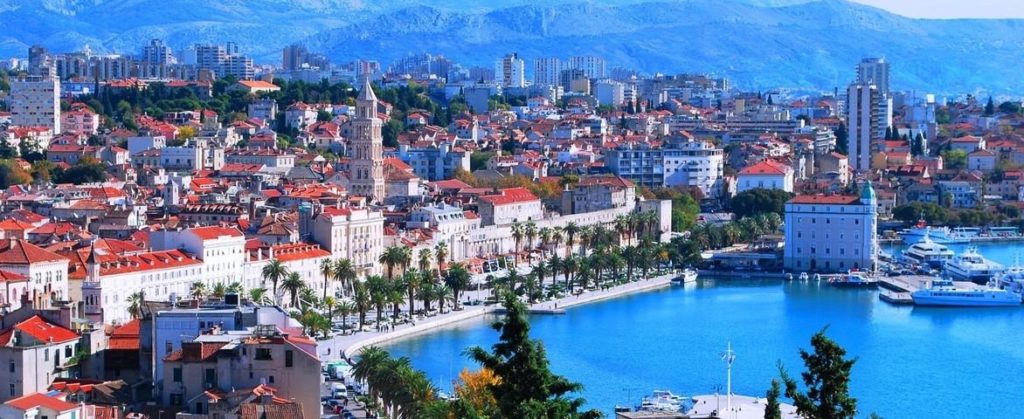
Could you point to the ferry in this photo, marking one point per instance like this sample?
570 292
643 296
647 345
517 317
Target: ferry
943 292
921 231
853 279
928 253
688 276
972 266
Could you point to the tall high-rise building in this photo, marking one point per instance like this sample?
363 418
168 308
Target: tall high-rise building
546 71
155 59
39 61
35 101
510 71
868 115
293 56
224 61
366 169
593 67
874 71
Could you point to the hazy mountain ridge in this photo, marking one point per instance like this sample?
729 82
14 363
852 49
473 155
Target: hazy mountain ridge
791 43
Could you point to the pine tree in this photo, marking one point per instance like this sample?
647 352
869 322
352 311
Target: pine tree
827 380
527 387
990 107
917 147
888 133
772 409
842 140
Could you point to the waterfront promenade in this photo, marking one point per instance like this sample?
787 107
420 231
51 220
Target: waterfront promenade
349 345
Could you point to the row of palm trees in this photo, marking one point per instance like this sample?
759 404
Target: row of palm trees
627 228
746 229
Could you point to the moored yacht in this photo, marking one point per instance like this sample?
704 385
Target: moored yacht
922 230
972 266
687 276
1011 279
928 253
943 292
854 279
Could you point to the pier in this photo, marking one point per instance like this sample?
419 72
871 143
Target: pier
896 289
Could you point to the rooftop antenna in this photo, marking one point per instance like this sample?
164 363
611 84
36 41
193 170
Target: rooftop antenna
728 356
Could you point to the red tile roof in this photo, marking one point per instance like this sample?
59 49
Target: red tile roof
214 232
40 330
510 196
21 252
41 400
125 337
8 276
766 167
825 199
298 251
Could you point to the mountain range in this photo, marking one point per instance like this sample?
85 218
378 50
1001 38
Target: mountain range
755 43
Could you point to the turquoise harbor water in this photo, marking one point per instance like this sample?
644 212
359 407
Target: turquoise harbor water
913 362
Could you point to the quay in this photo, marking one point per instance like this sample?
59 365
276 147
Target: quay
348 346
733 274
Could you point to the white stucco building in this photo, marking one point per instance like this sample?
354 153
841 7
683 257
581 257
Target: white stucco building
766 174
832 233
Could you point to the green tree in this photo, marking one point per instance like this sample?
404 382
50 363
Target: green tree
87 170
275 272
827 380
990 107
457 278
293 283
917 146
1010 107
954 159
527 388
759 200
323 116
842 139
772 409
12 174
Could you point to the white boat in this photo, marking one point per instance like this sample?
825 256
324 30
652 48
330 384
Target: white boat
804 276
1011 279
662 401
943 235
853 279
688 276
943 292
972 266
929 253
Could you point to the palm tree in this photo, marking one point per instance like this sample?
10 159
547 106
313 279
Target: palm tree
539 271
135 304
585 272
531 234
586 233
616 263
517 235
372 360
197 290
235 288
258 295
441 252
345 273
396 295
570 266
443 294
512 279
361 299
622 226
492 282
411 280
378 288
426 258
293 283
556 239
554 265
327 270
530 284
274 271
219 290
632 257
391 257
545 237
330 305
458 279
405 258
425 291
344 309
571 230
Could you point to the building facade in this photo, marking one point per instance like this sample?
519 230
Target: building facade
832 233
35 102
367 148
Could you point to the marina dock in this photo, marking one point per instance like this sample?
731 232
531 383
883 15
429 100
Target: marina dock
896 289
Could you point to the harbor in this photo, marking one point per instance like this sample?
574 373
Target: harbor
651 342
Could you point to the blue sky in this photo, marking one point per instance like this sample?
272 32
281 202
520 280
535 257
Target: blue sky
951 9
